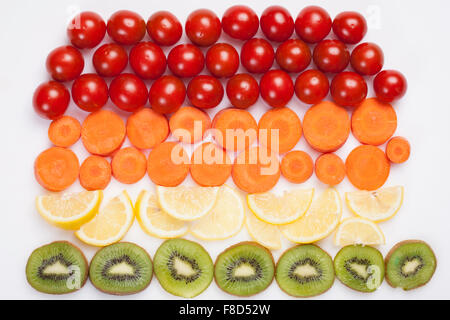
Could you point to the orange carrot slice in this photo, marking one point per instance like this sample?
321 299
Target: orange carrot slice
330 169
95 173
297 166
64 132
129 165
147 128
189 124
398 150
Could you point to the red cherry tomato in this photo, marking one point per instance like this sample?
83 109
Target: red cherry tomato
240 22
277 23
390 85
312 86
167 94
205 92
128 92
148 60
164 28
185 60
257 55
331 56
86 30
348 89
110 60
51 100
276 88
242 90
293 55
126 27
313 24
350 27
90 92
65 63
367 59
203 27
222 60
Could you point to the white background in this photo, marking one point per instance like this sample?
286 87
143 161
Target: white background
414 37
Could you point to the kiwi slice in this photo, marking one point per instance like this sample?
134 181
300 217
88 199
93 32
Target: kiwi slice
410 264
305 271
122 268
360 268
183 267
244 269
57 268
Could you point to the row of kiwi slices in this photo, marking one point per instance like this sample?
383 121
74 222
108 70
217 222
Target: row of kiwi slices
184 268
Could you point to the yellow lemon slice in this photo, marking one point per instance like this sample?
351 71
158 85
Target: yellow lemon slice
265 234
358 231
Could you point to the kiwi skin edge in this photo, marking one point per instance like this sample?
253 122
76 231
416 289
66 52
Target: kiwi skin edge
388 257
239 244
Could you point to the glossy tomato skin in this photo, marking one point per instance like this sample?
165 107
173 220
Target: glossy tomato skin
128 92
312 86
367 59
331 56
164 28
313 24
222 60
350 27
110 60
348 89
86 30
277 23
203 27
167 94
126 27
293 55
390 85
240 22
257 55
148 60
205 92
51 99
90 92
185 60
65 63
242 90
276 88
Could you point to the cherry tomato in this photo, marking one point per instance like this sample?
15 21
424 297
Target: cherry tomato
350 27
167 94
110 60
148 60
367 59
90 92
205 92
164 28
128 92
126 27
240 22
390 85
311 86
348 89
51 100
86 30
331 56
222 60
203 27
257 55
185 60
293 55
313 24
277 23
242 90
276 88
65 63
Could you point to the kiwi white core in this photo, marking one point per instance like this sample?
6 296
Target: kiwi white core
56 268
411 266
244 270
183 268
121 268
360 269
306 270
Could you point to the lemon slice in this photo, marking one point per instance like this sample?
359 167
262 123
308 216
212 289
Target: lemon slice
377 206
224 220
155 221
110 224
265 234
320 220
283 209
358 231
187 203
69 211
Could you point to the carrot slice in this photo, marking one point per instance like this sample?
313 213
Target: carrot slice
56 168
367 167
64 132
289 129
129 165
398 150
374 122
326 126
168 164
147 128
189 124
256 170
297 166
235 129
95 173
102 132
330 169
